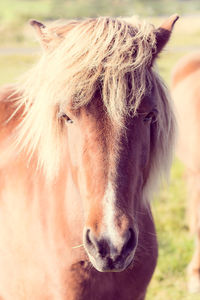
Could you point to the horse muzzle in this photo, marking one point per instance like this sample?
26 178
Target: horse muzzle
106 256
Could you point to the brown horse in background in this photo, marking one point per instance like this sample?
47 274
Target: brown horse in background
186 94
85 136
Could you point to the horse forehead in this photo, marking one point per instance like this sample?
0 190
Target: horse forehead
97 120
95 116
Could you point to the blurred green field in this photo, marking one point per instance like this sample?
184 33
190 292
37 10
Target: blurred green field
169 207
175 243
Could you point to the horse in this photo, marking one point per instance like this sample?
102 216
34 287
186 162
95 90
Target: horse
85 136
186 95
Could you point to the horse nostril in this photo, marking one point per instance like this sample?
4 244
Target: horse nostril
88 240
103 248
131 242
100 246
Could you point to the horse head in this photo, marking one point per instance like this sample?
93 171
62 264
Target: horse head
107 103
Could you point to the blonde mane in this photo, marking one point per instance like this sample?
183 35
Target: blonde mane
108 54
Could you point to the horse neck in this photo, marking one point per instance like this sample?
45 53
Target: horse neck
54 207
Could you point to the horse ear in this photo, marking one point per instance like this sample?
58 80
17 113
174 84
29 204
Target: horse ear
42 33
163 33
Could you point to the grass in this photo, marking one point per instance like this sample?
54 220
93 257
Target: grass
14 14
169 207
17 11
175 243
13 66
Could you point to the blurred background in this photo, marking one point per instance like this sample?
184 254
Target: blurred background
18 52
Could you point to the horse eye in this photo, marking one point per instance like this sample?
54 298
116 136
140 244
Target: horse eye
151 117
66 118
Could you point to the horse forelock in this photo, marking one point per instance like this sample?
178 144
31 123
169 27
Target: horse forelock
110 55
96 54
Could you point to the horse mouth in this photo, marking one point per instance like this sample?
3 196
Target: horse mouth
111 265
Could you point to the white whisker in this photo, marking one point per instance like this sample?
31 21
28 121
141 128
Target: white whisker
77 246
